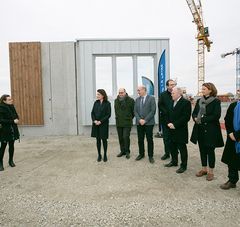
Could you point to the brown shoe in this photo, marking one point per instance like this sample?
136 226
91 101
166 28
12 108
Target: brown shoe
210 176
227 185
201 173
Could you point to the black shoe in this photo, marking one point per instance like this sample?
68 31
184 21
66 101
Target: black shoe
227 185
1 167
121 154
105 158
170 164
99 159
139 157
127 156
165 156
158 135
151 160
181 170
11 163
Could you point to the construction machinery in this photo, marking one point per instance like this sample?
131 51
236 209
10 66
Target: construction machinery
237 53
202 38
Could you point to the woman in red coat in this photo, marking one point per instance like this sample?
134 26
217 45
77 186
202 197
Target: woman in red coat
230 157
101 112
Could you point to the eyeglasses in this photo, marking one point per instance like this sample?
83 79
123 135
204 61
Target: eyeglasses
121 92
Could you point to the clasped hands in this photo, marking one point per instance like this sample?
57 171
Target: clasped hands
142 122
97 122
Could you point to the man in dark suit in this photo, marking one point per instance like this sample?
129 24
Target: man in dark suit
164 103
144 110
179 115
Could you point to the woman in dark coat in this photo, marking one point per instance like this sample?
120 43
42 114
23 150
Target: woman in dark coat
101 112
8 128
230 157
207 130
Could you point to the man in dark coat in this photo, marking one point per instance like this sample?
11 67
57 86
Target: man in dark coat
164 103
179 115
230 157
124 112
144 110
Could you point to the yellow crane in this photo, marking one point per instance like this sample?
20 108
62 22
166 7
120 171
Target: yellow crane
202 38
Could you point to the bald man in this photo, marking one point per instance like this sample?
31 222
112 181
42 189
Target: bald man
124 112
179 115
144 110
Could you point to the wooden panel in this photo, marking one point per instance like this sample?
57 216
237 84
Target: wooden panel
26 81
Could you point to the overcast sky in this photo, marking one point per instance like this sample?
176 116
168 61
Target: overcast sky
66 20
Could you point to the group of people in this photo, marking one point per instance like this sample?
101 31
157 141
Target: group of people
175 112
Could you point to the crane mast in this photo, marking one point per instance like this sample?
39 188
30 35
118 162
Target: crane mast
202 38
237 53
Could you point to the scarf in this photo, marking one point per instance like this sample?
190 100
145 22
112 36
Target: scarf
236 124
122 102
203 102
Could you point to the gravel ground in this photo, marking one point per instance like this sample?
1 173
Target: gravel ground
58 182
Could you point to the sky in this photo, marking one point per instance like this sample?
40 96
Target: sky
67 20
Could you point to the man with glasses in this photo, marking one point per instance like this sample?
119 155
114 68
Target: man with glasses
144 110
124 112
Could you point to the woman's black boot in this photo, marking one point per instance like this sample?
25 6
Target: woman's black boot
105 156
1 166
11 163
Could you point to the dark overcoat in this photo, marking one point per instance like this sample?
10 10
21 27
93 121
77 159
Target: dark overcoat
124 111
101 112
164 104
8 129
179 116
208 133
229 156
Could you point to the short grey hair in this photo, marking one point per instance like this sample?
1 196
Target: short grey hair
179 90
143 87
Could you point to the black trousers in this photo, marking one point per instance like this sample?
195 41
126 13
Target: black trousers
207 154
233 174
10 149
124 138
182 148
147 130
166 139
105 145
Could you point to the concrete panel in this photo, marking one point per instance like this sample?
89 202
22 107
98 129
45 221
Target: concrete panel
59 91
86 52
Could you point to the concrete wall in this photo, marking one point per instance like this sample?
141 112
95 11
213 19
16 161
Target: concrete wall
68 76
87 50
59 91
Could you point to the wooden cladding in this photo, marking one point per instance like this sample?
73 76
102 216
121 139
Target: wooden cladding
26 81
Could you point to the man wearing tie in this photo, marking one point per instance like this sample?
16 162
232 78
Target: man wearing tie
179 115
144 110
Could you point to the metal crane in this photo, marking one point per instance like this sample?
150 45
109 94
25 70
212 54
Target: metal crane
202 38
237 52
